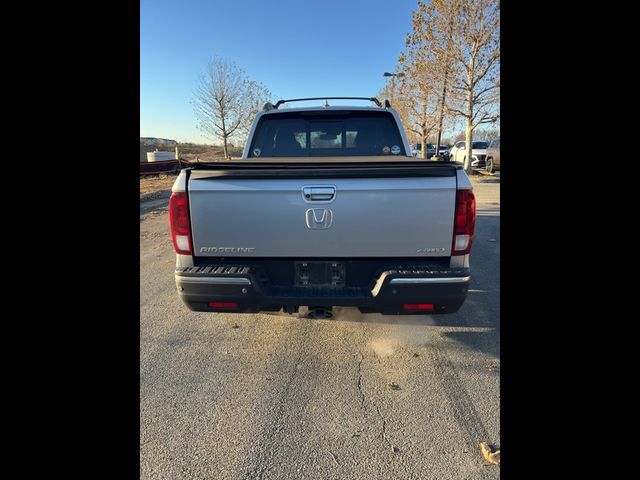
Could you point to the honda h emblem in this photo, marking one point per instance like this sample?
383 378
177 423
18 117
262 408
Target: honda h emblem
318 218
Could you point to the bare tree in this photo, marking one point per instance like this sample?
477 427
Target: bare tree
460 136
225 101
476 50
416 105
460 42
401 101
487 134
423 112
427 57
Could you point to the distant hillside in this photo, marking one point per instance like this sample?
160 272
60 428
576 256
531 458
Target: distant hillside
206 153
190 151
157 142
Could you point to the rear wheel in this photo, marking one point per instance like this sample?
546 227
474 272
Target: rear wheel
489 166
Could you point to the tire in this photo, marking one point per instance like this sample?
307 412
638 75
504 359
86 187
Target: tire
489 165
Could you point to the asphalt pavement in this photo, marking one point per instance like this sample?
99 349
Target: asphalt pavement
274 396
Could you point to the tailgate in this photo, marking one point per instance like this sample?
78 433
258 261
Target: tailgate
321 217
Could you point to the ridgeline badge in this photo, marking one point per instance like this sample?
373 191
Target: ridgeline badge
431 250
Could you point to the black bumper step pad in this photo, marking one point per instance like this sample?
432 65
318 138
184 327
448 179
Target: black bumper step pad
213 270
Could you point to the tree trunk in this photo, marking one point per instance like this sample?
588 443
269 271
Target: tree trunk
444 87
469 116
423 135
224 134
469 127
226 152
444 93
468 157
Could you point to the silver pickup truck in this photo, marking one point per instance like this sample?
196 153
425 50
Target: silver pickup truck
327 207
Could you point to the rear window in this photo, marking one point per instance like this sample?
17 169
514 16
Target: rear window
326 134
479 145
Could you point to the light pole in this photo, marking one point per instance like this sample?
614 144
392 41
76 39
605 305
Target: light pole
393 83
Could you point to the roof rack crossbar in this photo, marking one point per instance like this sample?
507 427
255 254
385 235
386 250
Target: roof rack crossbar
371 99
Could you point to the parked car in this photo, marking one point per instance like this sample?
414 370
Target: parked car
430 151
478 153
416 150
305 218
493 156
444 152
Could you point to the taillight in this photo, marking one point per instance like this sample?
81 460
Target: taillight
179 219
465 222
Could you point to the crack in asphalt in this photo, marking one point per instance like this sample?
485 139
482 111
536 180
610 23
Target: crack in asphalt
362 403
334 458
384 427
394 449
266 444
383 433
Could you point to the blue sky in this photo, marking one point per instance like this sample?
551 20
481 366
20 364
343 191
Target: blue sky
295 48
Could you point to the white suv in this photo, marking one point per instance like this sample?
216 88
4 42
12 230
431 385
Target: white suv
478 153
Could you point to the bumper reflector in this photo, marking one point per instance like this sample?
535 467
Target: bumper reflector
418 306
229 305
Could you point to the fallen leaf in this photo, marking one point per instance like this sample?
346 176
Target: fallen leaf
393 386
235 325
416 355
489 456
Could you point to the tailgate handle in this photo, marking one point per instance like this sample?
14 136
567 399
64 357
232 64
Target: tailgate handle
319 193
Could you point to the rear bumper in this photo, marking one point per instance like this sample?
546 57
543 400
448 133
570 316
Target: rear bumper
246 292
